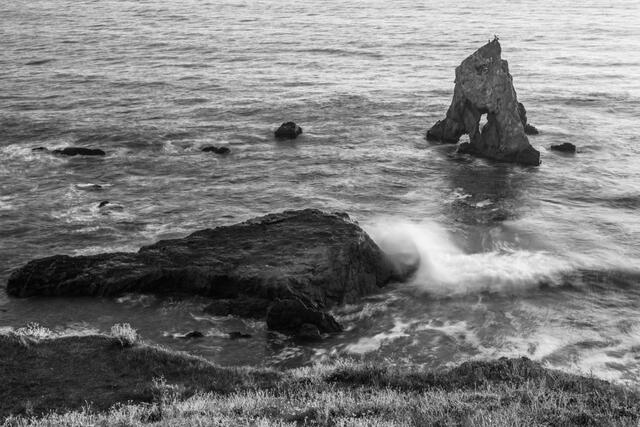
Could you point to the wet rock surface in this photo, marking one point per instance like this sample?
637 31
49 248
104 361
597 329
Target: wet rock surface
288 130
483 85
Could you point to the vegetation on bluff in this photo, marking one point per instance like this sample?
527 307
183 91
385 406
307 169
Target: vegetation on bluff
117 380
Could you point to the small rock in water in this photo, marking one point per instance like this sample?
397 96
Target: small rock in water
103 203
40 149
530 130
237 335
288 130
217 150
81 151
192 334
565 147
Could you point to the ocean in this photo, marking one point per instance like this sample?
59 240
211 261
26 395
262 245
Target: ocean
542 262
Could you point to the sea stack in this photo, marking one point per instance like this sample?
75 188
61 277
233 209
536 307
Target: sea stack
483 85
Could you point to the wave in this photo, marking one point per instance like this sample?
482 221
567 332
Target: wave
445 270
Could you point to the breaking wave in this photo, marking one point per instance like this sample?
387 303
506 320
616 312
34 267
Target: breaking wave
445 269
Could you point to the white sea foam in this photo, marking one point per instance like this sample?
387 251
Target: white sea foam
369 344
445 269
456 329
5 204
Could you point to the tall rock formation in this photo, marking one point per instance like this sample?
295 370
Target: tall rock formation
483 85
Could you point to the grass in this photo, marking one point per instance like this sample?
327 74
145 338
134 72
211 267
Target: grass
125 334
94 380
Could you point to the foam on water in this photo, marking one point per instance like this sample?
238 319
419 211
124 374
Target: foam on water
373 343
444 269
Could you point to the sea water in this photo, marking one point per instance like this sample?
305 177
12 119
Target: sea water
540 262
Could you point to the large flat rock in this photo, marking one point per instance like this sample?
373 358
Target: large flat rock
319 258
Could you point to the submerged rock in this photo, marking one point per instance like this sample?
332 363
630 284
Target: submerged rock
288 130
319 258
217 150
565 147
192 334
483 85
79 151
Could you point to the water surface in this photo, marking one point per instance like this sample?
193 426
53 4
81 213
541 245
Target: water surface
541 262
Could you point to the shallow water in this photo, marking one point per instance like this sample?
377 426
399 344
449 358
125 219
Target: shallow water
540 261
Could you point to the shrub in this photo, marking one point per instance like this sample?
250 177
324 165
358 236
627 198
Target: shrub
124 334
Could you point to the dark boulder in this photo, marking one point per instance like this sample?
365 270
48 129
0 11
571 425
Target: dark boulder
217 150
483 85
79 151
288 130
103 204
319 258
565 147
289 315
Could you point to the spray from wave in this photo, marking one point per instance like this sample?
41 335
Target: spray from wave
444 269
